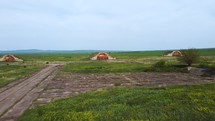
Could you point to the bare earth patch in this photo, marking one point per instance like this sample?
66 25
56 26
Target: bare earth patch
67 85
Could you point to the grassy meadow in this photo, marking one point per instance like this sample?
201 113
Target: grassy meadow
55 57
137 61
177 103
134 56
116 67
10 72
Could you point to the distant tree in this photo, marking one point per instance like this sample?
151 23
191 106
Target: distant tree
189 56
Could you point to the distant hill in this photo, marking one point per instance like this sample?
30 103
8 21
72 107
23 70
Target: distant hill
206 51
35 51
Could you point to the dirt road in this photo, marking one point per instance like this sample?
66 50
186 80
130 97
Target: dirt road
17 97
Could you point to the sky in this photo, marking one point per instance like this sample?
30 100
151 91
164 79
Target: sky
107 24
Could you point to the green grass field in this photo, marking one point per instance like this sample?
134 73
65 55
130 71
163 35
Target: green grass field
178 103
54 57
207 52
116 67
102 67
10 72
133 55
80 63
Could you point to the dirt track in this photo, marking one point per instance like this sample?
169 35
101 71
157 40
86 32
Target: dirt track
18 96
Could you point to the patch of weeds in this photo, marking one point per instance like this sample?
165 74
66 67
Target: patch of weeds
206 65
209 72
203 65
167 68
160 63
40 113
205 75
117 83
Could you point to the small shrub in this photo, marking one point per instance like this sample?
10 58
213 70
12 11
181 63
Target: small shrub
209 72
40 113
203 65
47 62
160 63
204 60
189 56
167 68
205 75
117 83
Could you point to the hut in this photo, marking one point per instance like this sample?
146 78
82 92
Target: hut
174 53
102 56
10 58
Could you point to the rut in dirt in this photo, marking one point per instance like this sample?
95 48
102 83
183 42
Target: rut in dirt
14 100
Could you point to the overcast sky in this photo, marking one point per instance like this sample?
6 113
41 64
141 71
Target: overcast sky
106 24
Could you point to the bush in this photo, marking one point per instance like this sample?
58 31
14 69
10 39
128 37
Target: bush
205 75
117 83
161 66
189 56
203 65
160 63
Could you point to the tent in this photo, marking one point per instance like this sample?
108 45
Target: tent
10 58
174 53
102 56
